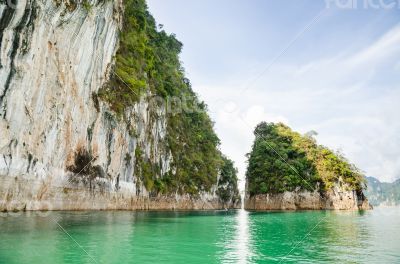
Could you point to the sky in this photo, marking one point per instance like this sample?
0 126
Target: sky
311 64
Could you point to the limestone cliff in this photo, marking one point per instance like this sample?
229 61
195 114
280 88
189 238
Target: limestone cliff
61 147
335 199
290 171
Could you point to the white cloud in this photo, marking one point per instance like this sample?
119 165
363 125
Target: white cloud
382 49
351 100
256 114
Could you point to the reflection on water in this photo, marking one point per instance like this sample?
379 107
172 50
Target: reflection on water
238 248
202 237
242 242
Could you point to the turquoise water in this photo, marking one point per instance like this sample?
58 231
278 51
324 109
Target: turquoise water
201 237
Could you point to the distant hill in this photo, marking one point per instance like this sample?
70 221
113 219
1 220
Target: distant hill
383 193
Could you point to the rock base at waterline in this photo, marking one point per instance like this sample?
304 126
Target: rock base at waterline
347 200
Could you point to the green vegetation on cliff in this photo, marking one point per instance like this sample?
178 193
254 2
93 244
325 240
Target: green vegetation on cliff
147 61
147 65
383 193
283 160
227 183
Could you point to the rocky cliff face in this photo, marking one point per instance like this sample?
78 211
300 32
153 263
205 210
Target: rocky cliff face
60 147
335 199
383 193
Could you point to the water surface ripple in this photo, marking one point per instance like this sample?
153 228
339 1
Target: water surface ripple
201 237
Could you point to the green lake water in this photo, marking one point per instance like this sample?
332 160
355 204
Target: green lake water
201 237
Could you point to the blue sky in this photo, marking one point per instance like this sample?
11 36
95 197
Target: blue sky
332 70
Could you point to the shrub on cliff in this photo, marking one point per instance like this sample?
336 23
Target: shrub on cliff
147 62
283 160
227 183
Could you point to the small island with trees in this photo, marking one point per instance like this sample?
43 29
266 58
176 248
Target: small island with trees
290 171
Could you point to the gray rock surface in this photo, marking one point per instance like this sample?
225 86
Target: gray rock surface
53 58
335 199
